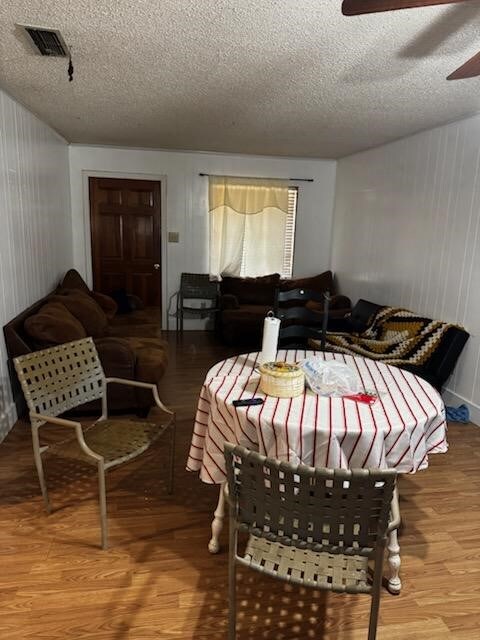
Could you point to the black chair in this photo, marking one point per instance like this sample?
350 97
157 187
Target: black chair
196 286
299 324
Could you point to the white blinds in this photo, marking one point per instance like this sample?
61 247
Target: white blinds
287 268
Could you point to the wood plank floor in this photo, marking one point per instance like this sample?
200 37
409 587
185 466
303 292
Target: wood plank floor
158 580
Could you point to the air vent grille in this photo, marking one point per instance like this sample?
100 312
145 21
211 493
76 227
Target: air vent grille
48 41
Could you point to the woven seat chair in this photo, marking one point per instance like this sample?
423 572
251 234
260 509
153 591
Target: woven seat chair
314 527
61 378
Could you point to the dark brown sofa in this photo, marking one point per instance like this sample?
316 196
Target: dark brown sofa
127 349
244 303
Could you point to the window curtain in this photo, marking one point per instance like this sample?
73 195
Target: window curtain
248 220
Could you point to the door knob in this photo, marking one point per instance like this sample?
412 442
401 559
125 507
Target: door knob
156 266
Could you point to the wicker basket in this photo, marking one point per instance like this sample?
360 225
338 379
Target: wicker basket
281 379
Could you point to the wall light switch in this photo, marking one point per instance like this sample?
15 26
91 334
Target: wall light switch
173 236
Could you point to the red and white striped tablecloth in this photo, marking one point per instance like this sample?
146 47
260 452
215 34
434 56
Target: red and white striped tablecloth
400 430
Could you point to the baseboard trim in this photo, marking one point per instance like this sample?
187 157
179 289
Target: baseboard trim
454 399
8 417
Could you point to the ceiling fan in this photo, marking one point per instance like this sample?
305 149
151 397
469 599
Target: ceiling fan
470 69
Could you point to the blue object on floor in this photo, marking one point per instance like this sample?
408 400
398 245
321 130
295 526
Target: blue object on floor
458 414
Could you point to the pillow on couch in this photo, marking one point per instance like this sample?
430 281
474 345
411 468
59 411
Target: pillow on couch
106 303
84 308
259 290
54 324
73 280
320 283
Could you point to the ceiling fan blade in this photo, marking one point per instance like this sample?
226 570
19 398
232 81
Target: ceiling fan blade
470 69
357 7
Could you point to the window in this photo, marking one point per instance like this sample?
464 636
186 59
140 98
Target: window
289 240
287 269
252 227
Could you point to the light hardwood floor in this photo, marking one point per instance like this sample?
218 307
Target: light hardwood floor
158 580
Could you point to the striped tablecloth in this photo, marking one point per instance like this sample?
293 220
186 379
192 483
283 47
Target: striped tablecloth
400 430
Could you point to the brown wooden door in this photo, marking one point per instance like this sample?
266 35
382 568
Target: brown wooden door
125 225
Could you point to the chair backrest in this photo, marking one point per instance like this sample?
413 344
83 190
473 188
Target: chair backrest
60 378
334 510
297 295
299 323
297 335
198 285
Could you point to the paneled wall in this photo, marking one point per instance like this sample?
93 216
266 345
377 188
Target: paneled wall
35 236
185 203
407 232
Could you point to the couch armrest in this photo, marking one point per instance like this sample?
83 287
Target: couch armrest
118 360
229 301
117 357
440 365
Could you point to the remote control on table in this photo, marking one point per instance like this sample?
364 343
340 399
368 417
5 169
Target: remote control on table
248 402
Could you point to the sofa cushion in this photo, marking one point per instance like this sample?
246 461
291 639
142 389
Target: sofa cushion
152 357
259 290
106 303
151 362
320 283
229 301
53 324
73 280
85 310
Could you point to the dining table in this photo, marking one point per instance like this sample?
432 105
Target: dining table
403 426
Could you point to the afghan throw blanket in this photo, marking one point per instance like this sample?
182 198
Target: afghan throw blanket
396 336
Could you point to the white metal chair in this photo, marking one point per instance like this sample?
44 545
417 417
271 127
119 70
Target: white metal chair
314 527
61 378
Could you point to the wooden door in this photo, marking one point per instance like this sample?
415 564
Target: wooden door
125 226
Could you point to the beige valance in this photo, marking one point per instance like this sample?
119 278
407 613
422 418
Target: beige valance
247 195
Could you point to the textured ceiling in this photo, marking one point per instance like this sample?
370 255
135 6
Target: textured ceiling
276 77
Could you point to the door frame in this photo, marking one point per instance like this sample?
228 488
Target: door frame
124 175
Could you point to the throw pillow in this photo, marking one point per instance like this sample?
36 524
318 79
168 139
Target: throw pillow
259 290
53 324
85 310
73 280
107 304
320 283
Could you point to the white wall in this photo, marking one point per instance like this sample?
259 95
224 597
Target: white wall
185 205
35 237
406 232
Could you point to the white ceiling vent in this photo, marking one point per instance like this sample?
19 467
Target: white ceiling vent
49 42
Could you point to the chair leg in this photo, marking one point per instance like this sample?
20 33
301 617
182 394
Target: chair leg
177 319
172 456
374 609
376 590
232 585
39 465
102 498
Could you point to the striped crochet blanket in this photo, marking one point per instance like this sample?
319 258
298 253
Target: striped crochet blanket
396 336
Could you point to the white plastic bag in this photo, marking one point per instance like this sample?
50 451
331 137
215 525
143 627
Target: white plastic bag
330 378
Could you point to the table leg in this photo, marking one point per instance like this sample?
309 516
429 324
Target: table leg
217 523
394 561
